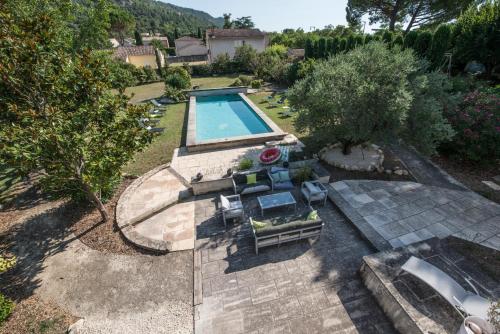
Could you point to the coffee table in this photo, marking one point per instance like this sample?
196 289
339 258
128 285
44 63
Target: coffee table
276 201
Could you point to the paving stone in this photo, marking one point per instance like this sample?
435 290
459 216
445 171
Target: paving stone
313 301
286 308
255 317
410 238
378 219
224 283
392 230
439 230
264 291
416 222
234 299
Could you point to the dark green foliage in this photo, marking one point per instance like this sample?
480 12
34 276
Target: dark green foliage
410 39
176 33
165 17
316 49
387 37
177 79
222 64
441 43
369 104
351 43
334 49
329 46
201 70
228 24
368 39
244 22
309 49
322 52
245 58
6 307
138 38
423 43
342 44
398 41
477 35
91 25
199 33
359 40
256 84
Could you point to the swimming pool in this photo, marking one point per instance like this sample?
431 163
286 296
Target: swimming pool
226 116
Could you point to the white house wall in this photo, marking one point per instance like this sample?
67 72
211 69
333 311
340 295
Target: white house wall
221 46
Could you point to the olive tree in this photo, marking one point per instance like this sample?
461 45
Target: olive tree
59 116
374 94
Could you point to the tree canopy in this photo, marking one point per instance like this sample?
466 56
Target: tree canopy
59 116
244 22
419 13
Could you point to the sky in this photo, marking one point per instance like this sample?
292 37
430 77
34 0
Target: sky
276 15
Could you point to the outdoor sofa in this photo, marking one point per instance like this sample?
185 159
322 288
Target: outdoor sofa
278 230
241 184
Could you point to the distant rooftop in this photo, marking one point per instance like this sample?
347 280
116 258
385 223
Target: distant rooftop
188 38
235 33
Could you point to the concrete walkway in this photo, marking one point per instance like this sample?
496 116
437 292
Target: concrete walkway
395 214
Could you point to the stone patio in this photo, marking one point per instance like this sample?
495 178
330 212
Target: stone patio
302 287
395 214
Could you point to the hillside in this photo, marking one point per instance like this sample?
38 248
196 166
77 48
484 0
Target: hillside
164 17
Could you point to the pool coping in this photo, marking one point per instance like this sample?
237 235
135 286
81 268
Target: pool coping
195 146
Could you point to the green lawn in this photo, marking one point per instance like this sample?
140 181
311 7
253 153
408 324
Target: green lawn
154 90
8 179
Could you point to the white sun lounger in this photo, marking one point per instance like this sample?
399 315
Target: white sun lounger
465 302
156 103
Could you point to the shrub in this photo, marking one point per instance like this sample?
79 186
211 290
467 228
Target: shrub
355 97
426 126
176 80
303 174
222 64
245 58
245 164
150 74
334 49
201 70
123 75
272 68
342 45
170 51
309 49
387 37
410 39
477 35
277 50
350 43
322 48
422 44
368 39
398 41
256 84
359 40
476 124
441 42
6 307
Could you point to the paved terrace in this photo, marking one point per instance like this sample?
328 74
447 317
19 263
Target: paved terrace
395 214
301 287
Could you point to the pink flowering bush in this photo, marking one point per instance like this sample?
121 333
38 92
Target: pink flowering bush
476 122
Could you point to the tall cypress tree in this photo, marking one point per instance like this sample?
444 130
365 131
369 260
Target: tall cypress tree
199 34
308 51
322 48
138 38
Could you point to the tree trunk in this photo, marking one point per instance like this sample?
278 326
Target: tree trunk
97 202
394 16
413 18
346 149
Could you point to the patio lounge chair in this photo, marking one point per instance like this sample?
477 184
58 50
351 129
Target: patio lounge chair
279 230
314 191
280 180
465 302
231 207
155 130
156 103
156 112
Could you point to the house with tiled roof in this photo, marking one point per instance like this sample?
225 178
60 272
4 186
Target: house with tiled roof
220 41
139 56
190 46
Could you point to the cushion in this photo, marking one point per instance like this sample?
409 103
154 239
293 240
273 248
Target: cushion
257 224
284 176
251 178
312 188
240 178
290 225
256 188
275 177
283 185
313 215
224 202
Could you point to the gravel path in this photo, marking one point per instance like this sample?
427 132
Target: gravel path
121 293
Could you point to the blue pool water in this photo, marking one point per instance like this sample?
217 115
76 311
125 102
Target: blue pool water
225 116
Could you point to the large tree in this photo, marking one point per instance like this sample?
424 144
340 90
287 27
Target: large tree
92 25
412 13
228 24
58 115
244 22
121 23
